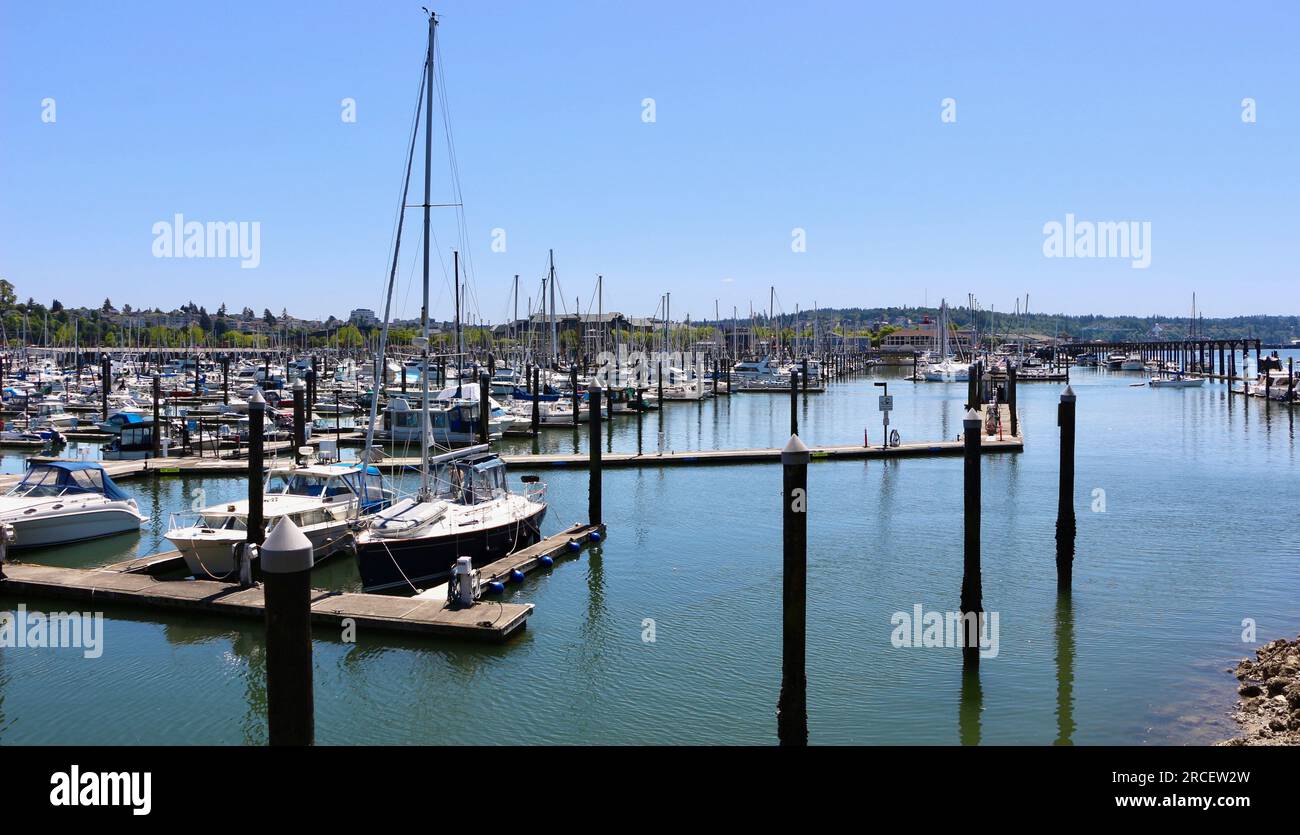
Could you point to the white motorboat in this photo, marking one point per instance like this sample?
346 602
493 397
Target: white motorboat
321 499
1176 382
1133 362
67 501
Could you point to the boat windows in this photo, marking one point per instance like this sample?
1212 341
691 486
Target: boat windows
297 484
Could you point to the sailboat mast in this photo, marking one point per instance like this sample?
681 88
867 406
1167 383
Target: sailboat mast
555 343
460 346
424 306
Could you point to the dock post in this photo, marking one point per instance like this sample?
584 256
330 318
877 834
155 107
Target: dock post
971 382
794 401
594 454
792 708
157 423
1065 523
299 419
484 405
537 416
1290 379
972 592
573 382
1012 372
803 374
225 379
286 585
256 420
105 381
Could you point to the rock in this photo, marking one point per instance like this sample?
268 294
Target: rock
1275 685
1249 690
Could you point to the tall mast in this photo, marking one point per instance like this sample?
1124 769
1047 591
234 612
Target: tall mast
555 343
514 323
460 347
424 307
600 311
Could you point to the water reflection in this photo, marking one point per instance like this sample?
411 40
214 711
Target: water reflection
972 705
1064 670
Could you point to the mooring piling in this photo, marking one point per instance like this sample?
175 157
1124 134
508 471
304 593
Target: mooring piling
299 416
594 451
1012 373
794 401
537 416
792 708
972 592
286 561
256 425
157 421
484 405
1065 522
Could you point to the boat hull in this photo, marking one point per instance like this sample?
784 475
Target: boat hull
60 529
396 563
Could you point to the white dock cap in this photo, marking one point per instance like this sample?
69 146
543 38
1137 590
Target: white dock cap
257 399
1068 394
972 416
795 451
287 550
300 384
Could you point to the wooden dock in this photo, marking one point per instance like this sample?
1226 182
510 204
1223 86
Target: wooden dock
131 583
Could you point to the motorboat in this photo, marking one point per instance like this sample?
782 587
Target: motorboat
321 499
67 501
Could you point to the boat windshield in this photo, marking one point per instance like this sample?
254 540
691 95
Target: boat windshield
55 481
303 484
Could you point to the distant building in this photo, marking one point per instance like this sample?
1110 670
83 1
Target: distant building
363 317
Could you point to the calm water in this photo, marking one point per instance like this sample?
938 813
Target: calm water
1197 534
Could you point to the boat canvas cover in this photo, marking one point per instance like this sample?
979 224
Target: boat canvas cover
73 477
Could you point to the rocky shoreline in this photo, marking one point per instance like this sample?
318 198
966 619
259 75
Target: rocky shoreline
1269 709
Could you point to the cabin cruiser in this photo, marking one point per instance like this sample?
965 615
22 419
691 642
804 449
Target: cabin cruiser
464 509
1133 362
51 413
1178 381
753 369
321 499
67 501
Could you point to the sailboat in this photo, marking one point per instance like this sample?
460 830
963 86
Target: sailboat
947 369
464 507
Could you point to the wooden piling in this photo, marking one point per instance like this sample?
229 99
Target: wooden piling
286 563
972 592
484 405
593 452
1065 521
792 707
157 422
794 401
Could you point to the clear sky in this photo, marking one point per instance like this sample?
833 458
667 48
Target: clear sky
769 117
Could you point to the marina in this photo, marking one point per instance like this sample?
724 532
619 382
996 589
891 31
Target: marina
547 376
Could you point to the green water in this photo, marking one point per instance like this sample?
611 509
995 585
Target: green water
1197 535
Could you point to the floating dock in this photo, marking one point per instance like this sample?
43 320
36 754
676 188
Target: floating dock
130 583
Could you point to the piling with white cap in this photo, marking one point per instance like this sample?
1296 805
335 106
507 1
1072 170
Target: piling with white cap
792 709
286 562
1065 522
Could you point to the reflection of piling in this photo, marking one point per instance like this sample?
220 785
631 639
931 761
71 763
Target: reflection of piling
792 708
971 583
1065 523
972 705
1064 670
593 442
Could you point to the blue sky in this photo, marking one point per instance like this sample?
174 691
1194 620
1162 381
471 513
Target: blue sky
820 116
